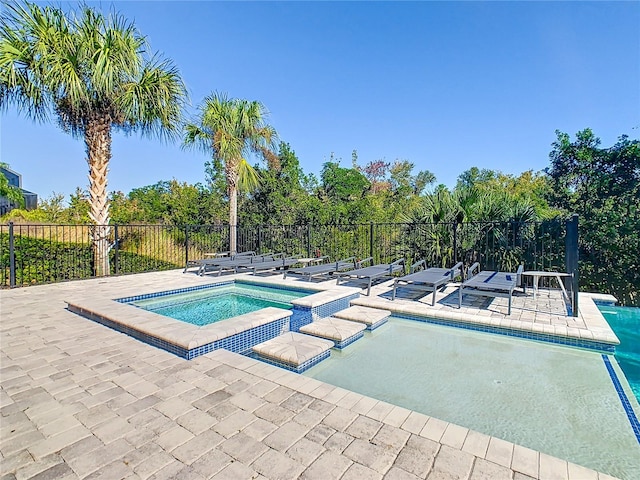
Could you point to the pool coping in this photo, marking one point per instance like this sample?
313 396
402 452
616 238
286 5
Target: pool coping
597 336
188 340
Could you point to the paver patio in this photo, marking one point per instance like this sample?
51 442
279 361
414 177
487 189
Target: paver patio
78 400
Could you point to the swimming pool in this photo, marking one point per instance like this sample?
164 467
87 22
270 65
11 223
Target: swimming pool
203 307
553 399
625 322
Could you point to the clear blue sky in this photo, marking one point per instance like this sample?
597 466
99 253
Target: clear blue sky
446 85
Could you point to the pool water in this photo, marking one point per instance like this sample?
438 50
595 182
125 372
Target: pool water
203 307
554 399
625 323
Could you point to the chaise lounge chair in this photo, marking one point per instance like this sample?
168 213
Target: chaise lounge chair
268 264
490 284
216 259
368 274
429 279
235 262
323 269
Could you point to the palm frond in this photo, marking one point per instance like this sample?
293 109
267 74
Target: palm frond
248 177
83 65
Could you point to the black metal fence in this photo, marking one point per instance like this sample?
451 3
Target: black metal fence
36 254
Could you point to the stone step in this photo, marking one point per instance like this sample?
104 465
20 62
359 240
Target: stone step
294 351
371 317
341 332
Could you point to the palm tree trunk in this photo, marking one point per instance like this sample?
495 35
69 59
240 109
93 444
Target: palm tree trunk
233 218
97 138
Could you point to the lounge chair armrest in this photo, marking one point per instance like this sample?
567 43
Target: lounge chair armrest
519 275
348 259
363 261
400 261
473 268
414 267
456 270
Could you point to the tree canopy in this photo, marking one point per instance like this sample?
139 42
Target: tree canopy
601 185
93 73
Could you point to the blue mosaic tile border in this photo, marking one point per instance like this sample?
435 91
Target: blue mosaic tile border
300 317
135 298
299 369
604 303
511 332
348 341
239 343
305 315
373 326
339 345
243 341
633 420
278 287
132 332
329 308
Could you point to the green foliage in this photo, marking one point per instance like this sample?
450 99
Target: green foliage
9 191
280 197
171 202
343 184
84 65
601 185
525 191
44 260
404 183
21 215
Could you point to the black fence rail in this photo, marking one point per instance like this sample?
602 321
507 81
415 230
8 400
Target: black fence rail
502 246
35 254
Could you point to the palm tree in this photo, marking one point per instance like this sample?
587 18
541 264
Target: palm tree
230 129
93 72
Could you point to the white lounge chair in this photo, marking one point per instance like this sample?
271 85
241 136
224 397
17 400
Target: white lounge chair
429 279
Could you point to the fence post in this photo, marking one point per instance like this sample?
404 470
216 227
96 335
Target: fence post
455 243
571 258
258 240
371 241
186 246
116 241
12 258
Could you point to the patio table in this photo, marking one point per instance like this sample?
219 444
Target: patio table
538 274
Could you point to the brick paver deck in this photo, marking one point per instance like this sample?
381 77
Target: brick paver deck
78 400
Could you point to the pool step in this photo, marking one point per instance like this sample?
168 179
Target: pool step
294 351
341 332
371 317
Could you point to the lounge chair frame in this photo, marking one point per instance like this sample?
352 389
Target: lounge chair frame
488 283
273 264
322 269
215 259
233 263
429 279
368 274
